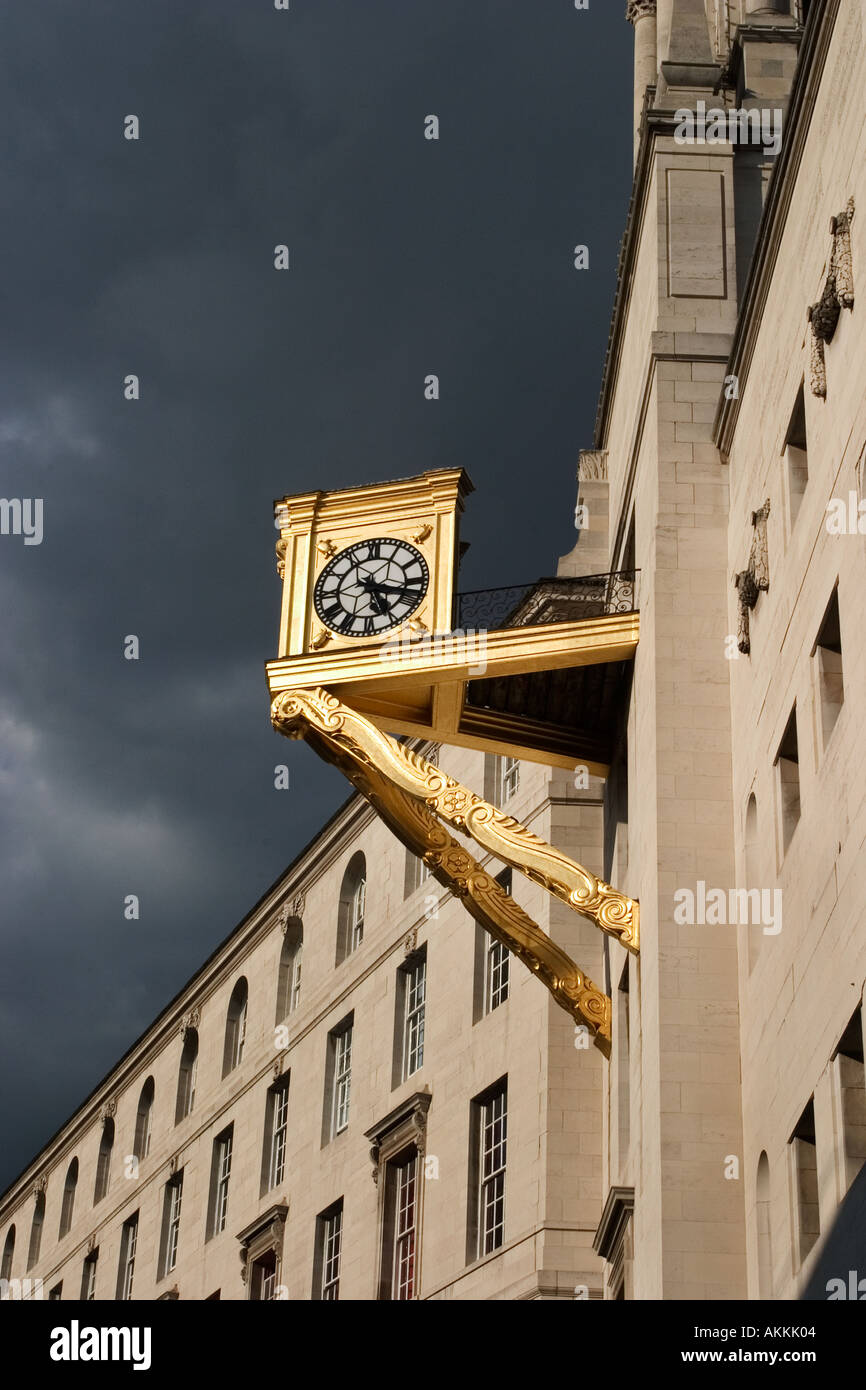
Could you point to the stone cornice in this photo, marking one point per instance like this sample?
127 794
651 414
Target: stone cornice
810 69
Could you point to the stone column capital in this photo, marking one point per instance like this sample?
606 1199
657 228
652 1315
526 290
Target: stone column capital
639 9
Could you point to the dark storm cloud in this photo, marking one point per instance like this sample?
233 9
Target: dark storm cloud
156 257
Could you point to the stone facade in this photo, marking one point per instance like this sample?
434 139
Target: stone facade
712 1156
735 1100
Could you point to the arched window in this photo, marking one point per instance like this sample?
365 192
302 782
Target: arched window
353 903
289 981
762 1210
8 1254
236 1027
103 1160
36 1230
68 1203
144 1120
753 876
186 1076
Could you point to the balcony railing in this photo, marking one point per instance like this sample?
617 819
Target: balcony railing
546 601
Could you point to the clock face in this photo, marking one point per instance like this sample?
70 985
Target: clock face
370 587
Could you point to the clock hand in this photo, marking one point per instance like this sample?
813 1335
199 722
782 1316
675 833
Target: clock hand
389 588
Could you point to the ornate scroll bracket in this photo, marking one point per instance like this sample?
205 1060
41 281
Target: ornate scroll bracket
837 294
347 738
750 582
408 793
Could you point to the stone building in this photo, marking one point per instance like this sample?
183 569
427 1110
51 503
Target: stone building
360 1095
729 426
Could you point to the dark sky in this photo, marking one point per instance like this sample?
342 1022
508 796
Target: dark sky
155 257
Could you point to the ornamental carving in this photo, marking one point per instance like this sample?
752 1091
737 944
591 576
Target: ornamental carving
40 1185
592 465
281 558
410 941
190 1022
291 912
107 1111
640 9
751 582
837 294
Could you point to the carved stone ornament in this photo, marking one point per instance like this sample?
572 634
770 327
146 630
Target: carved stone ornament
592 465
410 941
750 582
172 1165
91 1244
408 793
279 1063
837 294
290 912
190 1020
107 1110
639 9
40 1185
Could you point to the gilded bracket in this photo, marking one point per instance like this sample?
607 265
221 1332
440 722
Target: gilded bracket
294 714
346 738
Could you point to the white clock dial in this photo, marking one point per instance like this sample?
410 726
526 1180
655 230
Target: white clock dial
371 587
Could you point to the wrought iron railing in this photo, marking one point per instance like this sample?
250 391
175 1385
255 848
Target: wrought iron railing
546 601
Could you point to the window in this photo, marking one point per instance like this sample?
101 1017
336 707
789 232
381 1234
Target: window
753 874
487 1171
289 980
623 1071
492 965
236 1027
412 992
804 1156
36 1230
342 1079
103 1160
509 775
400 1227
88 1277
220 1173
787 761
170 1224
55 1294
338 1079
762 1221
851 1082
144 1120
329 1242
8 1254
186 1076
827 657
417 872
276 1135
796 456
126 1265
263 1277
353 906
68 1203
